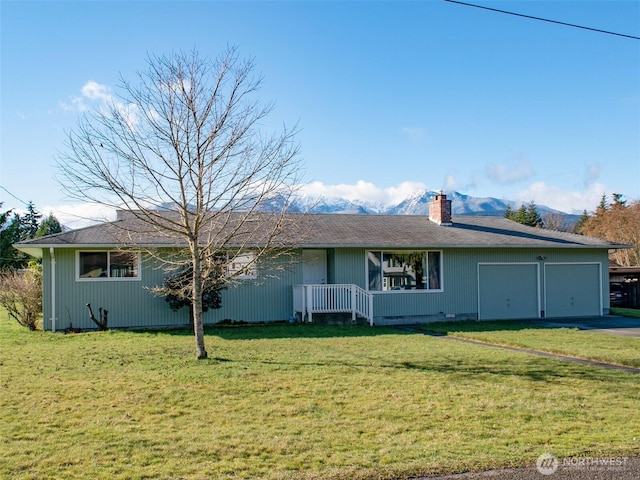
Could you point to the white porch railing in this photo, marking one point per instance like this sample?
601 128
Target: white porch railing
340 298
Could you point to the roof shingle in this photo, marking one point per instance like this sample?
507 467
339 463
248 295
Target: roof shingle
336 230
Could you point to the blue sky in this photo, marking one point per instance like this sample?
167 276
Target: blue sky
390 97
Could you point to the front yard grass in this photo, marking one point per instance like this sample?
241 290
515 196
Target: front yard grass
566 341
625 312
295 402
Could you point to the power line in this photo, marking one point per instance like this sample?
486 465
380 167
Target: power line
543 19
11 194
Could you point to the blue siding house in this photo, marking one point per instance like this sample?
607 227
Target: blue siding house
380 269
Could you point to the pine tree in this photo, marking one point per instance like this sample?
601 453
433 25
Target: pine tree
603 206
508 213
16 228
10 233
526 215
582 221
533 218
48 226
30 222
181 282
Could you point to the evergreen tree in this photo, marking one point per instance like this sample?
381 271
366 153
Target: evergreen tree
10 233
16 228
48 226
521 215
508 213
174 288
618 202
603 206
4 216
584 218
30 222
526 215
533 218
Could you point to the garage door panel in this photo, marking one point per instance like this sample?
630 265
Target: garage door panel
508 291
572 290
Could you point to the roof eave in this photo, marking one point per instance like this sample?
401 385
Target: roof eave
35 251
465 245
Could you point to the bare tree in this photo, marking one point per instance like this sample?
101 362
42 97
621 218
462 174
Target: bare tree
554 221
21 296
187 138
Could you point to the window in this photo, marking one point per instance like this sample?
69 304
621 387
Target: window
242 266
108 265
404 270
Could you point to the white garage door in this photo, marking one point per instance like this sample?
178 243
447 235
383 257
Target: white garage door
572 290
508 291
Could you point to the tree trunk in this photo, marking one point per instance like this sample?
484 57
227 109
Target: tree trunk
198 321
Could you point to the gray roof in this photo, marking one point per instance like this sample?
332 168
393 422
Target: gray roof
332 230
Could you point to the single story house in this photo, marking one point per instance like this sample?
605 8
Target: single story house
386 269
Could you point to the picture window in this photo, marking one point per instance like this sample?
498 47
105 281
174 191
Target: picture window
108 265
404 270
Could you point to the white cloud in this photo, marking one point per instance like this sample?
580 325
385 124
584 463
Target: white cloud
91 91
504 175
560 199
94 93
363 191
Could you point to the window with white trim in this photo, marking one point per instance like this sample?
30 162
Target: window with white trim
242 266
108 265
400 270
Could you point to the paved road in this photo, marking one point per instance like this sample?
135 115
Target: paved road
629 327
620 468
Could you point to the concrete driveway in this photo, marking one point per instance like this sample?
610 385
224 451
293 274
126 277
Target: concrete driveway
623 326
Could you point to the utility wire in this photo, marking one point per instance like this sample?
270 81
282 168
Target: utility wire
11 194
543 19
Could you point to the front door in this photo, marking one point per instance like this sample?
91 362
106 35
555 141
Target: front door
314 267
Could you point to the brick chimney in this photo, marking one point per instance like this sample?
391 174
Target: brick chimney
440 210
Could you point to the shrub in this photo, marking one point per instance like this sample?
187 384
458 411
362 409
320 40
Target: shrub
21 296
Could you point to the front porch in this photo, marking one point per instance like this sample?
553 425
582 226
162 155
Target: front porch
332 299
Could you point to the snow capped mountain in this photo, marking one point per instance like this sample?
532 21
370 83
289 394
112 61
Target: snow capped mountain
415 204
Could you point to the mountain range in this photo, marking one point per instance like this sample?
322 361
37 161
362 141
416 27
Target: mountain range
415 204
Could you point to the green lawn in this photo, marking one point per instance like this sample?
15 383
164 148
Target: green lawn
567 341
295 401
625 312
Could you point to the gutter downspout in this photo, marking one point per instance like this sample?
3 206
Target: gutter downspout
53 289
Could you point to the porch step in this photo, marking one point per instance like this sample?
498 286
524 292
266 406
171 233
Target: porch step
338 318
